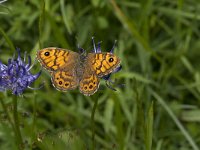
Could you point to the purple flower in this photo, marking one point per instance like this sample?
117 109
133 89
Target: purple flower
16 75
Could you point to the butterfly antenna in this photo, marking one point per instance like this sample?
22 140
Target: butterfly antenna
112 50
94 50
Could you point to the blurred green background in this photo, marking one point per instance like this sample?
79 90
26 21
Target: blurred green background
159 46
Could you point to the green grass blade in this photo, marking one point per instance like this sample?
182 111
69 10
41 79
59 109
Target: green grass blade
10 44
176 121
149 128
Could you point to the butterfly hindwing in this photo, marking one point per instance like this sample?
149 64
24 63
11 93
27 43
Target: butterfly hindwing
64 80
89 83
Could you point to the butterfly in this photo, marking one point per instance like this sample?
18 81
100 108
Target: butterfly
69 69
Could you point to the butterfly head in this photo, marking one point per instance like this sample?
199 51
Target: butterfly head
82 53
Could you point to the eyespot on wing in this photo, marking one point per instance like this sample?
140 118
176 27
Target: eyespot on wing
53 58
103 63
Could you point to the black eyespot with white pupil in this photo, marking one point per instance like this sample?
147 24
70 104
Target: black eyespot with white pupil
111 59
60 82
46 53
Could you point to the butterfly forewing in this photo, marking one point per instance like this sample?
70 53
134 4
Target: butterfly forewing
53 58
103 63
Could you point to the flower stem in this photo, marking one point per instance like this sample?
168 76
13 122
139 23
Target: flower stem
34 121
16 122
7 114
93 124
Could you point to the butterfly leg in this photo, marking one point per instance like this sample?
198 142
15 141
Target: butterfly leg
109 81
109 86
107 77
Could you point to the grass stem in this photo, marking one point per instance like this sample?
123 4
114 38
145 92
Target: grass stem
93 123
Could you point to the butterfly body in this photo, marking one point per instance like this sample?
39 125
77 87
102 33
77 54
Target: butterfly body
69 69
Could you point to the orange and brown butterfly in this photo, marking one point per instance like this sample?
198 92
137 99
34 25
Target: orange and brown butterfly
70 69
